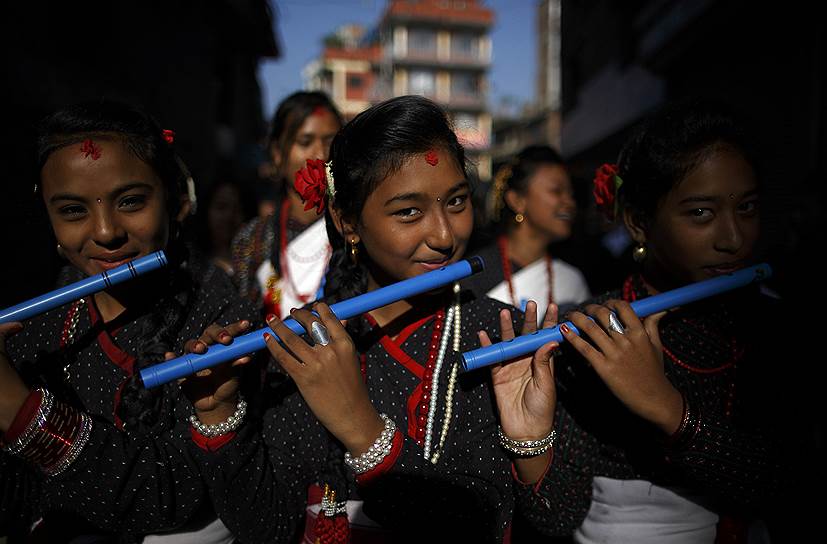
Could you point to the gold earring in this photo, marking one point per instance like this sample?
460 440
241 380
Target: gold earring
354 251
639 253
519 218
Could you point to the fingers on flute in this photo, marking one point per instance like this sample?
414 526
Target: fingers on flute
589 352
506 325
550 317
485 340
530 323
285 358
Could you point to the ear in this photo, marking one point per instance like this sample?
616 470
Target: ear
635 225
345 227
275 156
184 208
515 201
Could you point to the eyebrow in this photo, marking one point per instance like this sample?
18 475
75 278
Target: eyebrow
463 184
115 192
709 198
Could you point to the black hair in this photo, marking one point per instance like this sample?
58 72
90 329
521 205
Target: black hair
139 408
515 175
669 144
371 147
290 115
106 119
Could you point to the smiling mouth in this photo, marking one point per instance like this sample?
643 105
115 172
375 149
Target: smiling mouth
434 265
109 263
725 268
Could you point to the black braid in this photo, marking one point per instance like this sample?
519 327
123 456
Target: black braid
140 408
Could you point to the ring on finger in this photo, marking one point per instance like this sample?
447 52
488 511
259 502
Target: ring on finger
319 334
615 324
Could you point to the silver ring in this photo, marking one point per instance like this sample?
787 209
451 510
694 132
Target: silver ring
318 333
615 324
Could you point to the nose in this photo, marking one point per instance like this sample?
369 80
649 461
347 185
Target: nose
729 236
106 231
319 150
441 233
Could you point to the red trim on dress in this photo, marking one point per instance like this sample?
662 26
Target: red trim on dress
419 400
115 354
210 444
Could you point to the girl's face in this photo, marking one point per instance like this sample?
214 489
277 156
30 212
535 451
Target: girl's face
708 224
106 206
418 219
312 142
548 202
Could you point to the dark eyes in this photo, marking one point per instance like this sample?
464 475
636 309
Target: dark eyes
72 211
132 202
128 203
455 204
748 207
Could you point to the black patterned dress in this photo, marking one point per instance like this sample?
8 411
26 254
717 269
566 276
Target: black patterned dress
124 482
465 496
730 461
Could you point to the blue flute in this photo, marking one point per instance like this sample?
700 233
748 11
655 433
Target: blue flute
186 365
82 288
529 343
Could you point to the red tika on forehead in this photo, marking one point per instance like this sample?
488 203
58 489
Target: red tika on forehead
319 110
432 158
88 148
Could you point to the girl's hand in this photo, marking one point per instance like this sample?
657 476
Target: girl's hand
213 392
328 377
630 363
524 388
13 391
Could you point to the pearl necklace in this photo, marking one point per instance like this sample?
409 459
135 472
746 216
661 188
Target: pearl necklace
452 324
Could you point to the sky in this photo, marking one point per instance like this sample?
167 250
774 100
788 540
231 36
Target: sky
301 25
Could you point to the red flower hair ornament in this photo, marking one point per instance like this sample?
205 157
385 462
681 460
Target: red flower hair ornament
168 135
606 185
313 183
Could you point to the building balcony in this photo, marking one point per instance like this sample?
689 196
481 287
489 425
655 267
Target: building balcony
431 59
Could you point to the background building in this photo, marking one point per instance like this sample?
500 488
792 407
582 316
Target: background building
435 48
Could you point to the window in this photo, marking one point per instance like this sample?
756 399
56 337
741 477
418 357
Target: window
421 42
464 46
355 81
464 84
422 82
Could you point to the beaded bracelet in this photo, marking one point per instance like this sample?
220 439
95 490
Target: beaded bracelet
54 437
233 422
377 452
526 448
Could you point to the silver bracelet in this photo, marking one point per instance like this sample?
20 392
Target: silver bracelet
233 422
526 448
377 452
38 421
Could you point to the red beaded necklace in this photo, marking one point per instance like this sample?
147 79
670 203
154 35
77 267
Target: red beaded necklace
420 399
502 245
630 295
272 298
